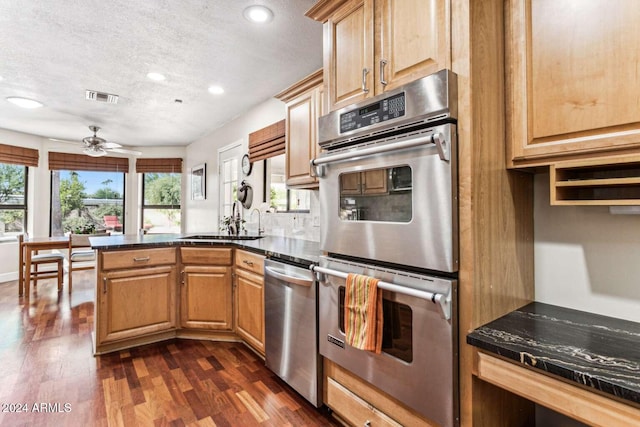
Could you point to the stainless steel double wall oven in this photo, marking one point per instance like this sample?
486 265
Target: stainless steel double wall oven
388 195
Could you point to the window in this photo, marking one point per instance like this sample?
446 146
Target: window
84 202
161 202
13 199
282 199
229 161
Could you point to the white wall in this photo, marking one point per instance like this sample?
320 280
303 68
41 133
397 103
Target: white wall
586 258
203 215
39 187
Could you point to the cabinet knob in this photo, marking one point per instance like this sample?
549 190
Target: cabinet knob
367 423
104 285
249 263
365 71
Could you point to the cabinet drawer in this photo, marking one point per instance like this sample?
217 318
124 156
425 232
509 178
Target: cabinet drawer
206 256
138 258
250 261
352 409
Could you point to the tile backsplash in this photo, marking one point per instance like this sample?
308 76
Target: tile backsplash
296 225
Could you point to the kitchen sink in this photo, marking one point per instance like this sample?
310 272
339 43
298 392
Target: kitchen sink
220 237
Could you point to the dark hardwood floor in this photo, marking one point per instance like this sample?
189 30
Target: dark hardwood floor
49 377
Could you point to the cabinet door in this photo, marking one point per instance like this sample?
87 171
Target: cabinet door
350 183
414 41
302 139
374 181
206 301
250 308
348 59
572 78
134 303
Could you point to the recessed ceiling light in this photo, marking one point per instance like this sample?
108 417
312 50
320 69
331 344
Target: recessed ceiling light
258 13
156 77
24 102
216 90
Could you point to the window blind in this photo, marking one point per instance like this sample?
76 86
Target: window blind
19 155
267 142
166 165
80 162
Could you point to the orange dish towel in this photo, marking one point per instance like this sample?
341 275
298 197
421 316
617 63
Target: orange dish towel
363 313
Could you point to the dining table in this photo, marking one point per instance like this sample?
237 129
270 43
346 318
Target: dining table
30 247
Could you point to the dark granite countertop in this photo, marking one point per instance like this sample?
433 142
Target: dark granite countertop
598 352
299 251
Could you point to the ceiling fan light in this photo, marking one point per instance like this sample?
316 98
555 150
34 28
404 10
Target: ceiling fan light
94 152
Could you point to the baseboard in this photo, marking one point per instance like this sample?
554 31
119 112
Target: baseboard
8 277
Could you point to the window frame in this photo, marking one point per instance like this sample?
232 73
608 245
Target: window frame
25 205
124 194
144 206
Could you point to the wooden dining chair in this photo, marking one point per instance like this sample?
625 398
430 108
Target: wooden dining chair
81 256
36 274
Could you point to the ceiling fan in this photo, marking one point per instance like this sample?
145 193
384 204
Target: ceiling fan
96 146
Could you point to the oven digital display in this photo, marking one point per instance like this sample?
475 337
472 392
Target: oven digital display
369 108
381 111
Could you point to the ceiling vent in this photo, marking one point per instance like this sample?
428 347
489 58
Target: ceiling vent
109 98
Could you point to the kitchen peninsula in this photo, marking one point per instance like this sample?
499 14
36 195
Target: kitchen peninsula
155 287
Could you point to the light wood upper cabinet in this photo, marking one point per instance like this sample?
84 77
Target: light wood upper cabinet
368 182
371 46
572 79
348 53
414 41
304 105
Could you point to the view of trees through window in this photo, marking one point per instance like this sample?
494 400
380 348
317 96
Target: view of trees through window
161 202
13 206
86 202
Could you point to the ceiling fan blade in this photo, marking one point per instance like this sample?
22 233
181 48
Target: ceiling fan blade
125 151
66 141
110 145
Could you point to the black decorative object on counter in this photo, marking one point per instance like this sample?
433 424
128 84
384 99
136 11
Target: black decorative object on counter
598 352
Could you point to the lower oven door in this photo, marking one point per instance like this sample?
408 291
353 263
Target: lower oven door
418 363
397 199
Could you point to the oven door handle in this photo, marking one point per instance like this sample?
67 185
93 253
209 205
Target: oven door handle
435 138
444 301
294 280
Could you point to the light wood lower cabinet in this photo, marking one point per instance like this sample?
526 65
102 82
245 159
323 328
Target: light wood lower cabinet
206 294
206 298
135 301
249 287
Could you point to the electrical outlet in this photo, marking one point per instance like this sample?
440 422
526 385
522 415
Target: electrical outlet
316 220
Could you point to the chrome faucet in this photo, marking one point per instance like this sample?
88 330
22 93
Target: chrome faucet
235 225
260 230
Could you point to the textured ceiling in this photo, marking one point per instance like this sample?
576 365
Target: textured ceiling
52 51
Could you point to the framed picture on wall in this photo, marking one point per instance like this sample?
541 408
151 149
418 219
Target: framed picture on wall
198 182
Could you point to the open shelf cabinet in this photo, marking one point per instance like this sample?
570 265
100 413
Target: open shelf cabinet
612 181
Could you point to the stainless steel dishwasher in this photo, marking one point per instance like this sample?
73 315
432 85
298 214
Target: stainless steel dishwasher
291 344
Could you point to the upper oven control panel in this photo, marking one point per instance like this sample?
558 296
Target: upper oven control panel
429 99
383 110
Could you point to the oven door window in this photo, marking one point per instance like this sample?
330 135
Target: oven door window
382 195
397 327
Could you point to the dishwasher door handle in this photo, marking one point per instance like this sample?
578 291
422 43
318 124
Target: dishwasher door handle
295 280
